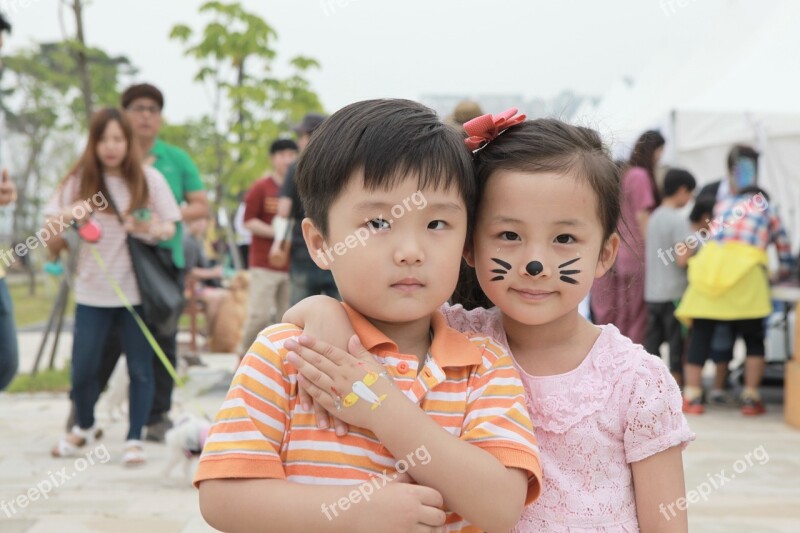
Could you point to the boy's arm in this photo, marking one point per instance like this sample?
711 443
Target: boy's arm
660 493
280 505
464 489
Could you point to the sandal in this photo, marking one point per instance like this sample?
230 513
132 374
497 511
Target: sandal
77 438
134 453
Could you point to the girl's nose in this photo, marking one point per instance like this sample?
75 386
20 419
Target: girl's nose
534 268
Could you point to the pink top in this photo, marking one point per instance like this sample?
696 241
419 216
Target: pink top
91 286
637 196
621 405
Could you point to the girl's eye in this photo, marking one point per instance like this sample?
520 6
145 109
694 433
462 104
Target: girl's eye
437 224
509 236
379 223
565 239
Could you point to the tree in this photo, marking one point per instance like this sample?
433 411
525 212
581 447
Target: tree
251 106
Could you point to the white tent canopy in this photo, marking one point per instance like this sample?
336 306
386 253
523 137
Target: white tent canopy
739 82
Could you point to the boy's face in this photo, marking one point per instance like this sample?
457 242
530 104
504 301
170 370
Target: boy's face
394 254
683 196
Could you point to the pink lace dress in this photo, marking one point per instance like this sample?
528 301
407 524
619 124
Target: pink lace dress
621 405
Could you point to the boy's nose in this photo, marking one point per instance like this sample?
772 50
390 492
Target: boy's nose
409 252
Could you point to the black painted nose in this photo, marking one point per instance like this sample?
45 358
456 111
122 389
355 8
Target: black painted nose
534 268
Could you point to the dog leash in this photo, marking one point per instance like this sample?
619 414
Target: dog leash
142 326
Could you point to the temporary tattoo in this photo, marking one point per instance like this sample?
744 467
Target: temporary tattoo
503 271
361 390
534 268
565 274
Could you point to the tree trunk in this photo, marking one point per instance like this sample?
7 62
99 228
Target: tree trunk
82 60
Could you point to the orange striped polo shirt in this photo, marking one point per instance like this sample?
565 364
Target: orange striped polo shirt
469 386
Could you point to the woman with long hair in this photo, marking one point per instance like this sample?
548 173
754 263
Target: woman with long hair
618 297
110 176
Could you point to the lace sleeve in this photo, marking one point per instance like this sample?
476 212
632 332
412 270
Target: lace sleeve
479 320
654 420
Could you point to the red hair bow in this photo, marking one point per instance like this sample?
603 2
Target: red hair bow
484 129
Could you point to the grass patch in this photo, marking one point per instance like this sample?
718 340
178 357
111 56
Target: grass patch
29 310
44 381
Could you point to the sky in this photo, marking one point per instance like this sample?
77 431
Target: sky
368 49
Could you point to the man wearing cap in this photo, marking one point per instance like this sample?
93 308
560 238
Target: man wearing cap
269 281
306 278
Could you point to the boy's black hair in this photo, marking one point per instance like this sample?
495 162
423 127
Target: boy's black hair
677 178
703 207
282 144
755 189
388 140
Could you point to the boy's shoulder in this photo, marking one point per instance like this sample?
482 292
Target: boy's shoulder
269 342
480 349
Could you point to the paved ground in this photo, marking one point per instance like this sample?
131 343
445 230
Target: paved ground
748 469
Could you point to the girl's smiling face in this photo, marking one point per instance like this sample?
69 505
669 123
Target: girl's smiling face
538 244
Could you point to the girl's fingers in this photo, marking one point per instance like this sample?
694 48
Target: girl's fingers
312 374
314 358
328 351
320 396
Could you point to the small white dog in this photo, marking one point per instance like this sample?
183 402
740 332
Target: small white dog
114 400
185 441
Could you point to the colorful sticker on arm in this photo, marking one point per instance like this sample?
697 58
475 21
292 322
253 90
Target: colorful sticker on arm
361 390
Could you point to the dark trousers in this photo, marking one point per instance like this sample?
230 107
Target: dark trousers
307 279
93 328
662 326
9 354
162 397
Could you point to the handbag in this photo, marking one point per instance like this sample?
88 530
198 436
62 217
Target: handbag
160 283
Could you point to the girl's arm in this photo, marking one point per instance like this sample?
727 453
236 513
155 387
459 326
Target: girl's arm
660 492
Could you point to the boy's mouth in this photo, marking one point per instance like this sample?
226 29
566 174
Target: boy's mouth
408 284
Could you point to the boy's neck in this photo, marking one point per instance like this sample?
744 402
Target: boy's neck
412 338
553 348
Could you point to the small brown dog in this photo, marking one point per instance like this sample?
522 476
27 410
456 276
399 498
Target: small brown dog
226 327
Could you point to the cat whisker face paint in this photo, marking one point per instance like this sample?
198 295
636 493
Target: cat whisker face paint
566 275
500 271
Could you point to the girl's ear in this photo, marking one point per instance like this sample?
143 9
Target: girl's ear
608 254
315 243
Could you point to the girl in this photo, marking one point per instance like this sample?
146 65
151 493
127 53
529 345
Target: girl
608 415
618 297
108 174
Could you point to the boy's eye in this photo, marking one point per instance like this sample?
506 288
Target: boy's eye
379 223
509 236
437 224
565 239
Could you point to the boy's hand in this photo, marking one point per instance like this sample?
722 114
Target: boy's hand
401 507
352 388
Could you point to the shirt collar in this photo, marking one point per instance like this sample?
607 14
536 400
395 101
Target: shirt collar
159 148
449 347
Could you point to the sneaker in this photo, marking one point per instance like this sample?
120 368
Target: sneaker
752 406
693 407
157 431
720 398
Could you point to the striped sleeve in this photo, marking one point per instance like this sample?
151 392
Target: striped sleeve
497 418
249 430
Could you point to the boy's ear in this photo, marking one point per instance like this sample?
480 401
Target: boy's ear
608 254
315 243
469 254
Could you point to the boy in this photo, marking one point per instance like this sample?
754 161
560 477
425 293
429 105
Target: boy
665 268
388 190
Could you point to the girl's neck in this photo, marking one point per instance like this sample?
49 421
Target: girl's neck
112 171
553 348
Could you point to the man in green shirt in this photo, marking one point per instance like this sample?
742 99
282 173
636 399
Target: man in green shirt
143 105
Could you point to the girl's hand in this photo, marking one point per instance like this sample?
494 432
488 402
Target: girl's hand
351 387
